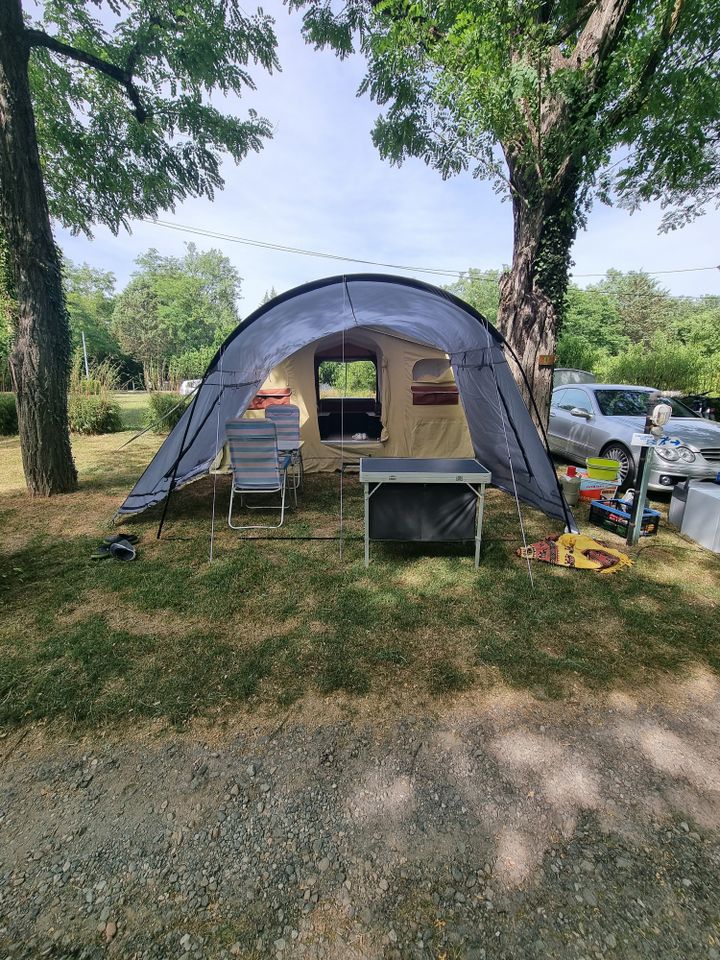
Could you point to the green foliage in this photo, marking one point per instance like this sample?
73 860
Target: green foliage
8 415
190 365
575 351
104 377
90 413
268 296
536 98
356 378
175 305
668 366
136 130
645 307
165 407
89 297
698 325
593 327
91 407
480 289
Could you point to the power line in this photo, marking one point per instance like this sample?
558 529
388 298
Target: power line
282 248
435 271
653 273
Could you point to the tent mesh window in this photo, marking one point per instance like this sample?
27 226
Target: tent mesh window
347 394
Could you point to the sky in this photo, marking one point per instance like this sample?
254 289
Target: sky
320 184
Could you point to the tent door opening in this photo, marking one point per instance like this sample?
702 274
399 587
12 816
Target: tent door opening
348 400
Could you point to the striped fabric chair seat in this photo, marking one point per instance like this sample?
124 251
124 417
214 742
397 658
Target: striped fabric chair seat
257 467
286 418
256 463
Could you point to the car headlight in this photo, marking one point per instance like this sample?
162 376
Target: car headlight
686 454
668 453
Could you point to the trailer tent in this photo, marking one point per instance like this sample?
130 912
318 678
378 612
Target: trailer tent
443 388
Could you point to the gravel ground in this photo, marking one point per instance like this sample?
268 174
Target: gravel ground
503 827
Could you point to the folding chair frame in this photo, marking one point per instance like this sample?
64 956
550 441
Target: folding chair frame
244 491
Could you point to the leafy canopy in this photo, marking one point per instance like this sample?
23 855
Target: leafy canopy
122 97
173 305
538 95
90 298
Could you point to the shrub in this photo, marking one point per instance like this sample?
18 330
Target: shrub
665 365
104 377
158 415
93 414
190 365
8 414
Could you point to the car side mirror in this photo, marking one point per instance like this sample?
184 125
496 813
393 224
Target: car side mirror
584 414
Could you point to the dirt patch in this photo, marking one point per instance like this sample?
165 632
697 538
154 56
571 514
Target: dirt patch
486 828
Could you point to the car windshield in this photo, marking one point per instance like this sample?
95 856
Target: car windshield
634 403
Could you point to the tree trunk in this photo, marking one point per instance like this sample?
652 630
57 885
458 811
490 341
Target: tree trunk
533 291
40 358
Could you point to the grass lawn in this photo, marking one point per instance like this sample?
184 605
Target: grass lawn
133 404
269 622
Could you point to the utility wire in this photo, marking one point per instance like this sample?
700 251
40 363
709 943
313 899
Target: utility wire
300 251
282 248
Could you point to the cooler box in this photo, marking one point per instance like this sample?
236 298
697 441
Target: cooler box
678 502
701 521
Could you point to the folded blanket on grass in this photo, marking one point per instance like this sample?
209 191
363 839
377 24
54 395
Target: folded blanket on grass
575 550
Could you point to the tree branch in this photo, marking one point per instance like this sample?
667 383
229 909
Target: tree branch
601 32
633 101
566 30
37 38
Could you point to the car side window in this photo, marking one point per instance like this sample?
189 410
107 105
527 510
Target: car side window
575 398
556 398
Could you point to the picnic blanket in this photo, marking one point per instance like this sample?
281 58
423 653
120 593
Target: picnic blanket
576 550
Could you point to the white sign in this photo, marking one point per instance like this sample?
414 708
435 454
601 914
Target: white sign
648 440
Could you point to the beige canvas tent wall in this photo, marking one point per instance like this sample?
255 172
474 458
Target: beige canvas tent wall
407 429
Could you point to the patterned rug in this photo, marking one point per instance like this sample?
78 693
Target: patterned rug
575 550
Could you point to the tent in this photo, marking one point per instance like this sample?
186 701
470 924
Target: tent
443 388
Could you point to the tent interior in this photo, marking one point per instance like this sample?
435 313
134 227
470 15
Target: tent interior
412 409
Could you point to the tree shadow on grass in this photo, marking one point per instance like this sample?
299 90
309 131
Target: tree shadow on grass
172 635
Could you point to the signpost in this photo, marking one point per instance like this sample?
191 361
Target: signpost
657 416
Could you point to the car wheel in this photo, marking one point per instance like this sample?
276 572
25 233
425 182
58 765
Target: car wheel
619 452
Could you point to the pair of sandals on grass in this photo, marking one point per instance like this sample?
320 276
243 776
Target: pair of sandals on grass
119 545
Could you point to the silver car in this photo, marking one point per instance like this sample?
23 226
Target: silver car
599 420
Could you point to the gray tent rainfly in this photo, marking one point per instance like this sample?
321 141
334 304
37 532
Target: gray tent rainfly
503 436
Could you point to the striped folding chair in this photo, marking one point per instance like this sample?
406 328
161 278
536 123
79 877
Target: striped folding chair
257 466
286 418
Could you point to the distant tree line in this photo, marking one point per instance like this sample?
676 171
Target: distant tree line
163 327
626 329
168 321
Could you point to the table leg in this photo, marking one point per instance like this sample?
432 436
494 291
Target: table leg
367 524
478 535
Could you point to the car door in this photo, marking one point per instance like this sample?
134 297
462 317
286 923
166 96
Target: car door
557 425
574 427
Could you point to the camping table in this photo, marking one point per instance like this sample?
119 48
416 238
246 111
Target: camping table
427 500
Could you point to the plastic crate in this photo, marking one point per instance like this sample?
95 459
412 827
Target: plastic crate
614 515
